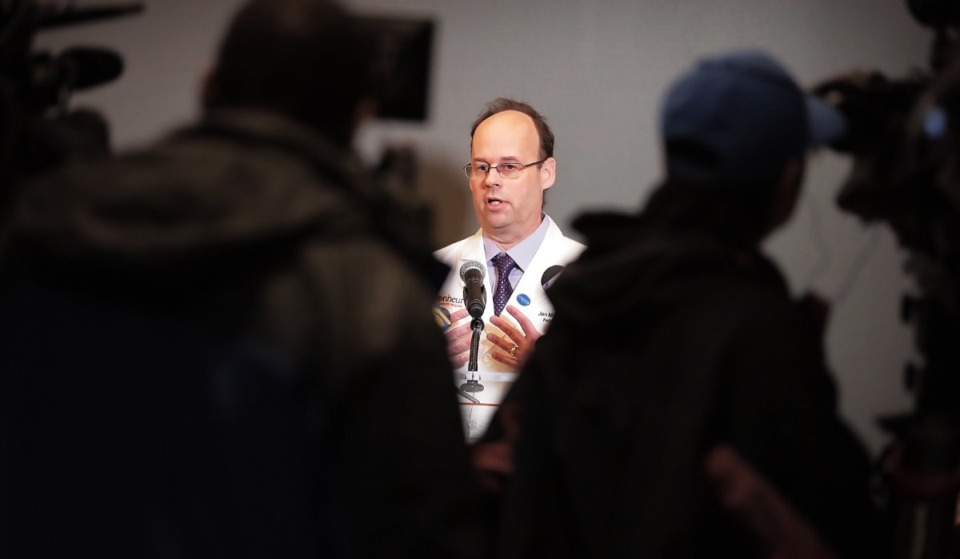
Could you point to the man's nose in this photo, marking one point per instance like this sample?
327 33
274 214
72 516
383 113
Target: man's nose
493 177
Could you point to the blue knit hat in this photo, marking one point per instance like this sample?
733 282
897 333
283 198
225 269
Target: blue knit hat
736 118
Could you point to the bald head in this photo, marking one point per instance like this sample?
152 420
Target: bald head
544 134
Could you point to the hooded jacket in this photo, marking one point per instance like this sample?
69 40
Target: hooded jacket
664 345
234 328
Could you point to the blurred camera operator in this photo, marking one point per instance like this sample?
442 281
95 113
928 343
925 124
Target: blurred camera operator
222 345
680 405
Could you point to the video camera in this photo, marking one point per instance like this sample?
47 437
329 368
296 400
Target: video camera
36 129
895 145
904 139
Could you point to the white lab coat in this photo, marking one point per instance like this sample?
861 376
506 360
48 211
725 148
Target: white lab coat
529 296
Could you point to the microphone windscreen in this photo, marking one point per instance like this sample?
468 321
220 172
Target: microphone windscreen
472 265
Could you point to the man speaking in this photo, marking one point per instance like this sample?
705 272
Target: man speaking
519 250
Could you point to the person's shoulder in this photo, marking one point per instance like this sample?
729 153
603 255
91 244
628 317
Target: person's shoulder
451 253
556 234
565 247
573 244
369 271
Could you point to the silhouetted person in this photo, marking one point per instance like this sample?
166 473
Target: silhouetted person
680 405
223 345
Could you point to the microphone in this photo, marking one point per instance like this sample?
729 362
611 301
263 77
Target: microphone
549 276
90 66
442 316
74 69
474 293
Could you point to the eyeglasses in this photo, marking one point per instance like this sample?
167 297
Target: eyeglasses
507 170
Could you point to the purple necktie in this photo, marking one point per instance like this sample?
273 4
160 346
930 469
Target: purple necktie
501 294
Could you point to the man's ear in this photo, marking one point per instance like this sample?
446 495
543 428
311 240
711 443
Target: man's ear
786 193
365 111
548 173
209 87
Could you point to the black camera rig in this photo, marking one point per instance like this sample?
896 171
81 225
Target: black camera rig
904 139
36 129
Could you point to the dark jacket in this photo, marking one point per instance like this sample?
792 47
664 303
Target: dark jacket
223 346
664 345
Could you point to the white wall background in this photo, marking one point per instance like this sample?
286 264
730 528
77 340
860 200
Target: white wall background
596 70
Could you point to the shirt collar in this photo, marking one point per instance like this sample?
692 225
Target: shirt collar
524 251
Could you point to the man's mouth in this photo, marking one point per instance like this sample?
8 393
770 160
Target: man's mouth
494 201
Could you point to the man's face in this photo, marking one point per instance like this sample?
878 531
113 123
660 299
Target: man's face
509 209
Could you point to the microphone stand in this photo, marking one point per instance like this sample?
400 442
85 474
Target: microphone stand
477 325
473 385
